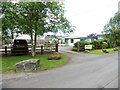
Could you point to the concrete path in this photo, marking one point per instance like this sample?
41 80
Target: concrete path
82 71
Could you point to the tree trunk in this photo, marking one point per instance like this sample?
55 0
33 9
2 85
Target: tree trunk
35 40
32 48
115 43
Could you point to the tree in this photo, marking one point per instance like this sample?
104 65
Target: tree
93 35
8 21
36 18
111 30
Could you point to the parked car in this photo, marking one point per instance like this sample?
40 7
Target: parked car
20 47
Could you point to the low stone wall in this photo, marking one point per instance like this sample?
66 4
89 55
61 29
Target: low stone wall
27 65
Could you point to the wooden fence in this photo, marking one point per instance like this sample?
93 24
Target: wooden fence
46 48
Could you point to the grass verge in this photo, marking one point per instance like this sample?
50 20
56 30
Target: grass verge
99 51
8 63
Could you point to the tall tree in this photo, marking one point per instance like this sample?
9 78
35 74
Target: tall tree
36 18
111 30
8 21
93 35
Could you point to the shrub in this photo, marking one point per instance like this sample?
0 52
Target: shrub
82 44
110 45
97 44
104 45
54 56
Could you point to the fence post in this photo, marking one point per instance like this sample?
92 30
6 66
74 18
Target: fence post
56 47
78 46
41 49
5 50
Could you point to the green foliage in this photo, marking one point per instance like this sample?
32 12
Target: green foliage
99 51
97 44
82 44
111 30
100 44
8 22
104 45
34 18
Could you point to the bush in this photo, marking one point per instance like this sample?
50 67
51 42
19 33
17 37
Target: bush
54 56
82 44
110 45
97 44
104 45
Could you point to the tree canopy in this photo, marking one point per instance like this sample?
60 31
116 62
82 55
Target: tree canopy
93 35
111 30
33 18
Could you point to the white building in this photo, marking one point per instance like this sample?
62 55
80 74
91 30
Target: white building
71 40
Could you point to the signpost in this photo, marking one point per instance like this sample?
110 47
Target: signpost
78 46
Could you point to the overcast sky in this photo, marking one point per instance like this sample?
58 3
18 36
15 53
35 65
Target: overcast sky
89 16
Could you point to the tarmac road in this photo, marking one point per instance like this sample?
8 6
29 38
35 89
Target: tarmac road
82 71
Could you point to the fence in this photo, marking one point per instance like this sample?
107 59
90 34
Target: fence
39 48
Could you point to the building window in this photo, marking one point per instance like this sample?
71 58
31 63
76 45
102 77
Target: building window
72 41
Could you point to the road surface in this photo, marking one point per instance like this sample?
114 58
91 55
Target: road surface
82 71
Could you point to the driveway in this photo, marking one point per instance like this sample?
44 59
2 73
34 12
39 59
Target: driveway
82 71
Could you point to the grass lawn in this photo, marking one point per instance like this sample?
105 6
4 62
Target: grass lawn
99 51
8 63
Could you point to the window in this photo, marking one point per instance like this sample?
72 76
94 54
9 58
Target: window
72 41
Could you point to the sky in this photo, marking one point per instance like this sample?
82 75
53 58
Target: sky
89 16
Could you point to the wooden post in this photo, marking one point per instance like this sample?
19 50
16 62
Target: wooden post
56 47
41 49
5 50
78 46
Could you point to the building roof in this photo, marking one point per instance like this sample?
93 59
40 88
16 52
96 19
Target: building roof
24 36
72 37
